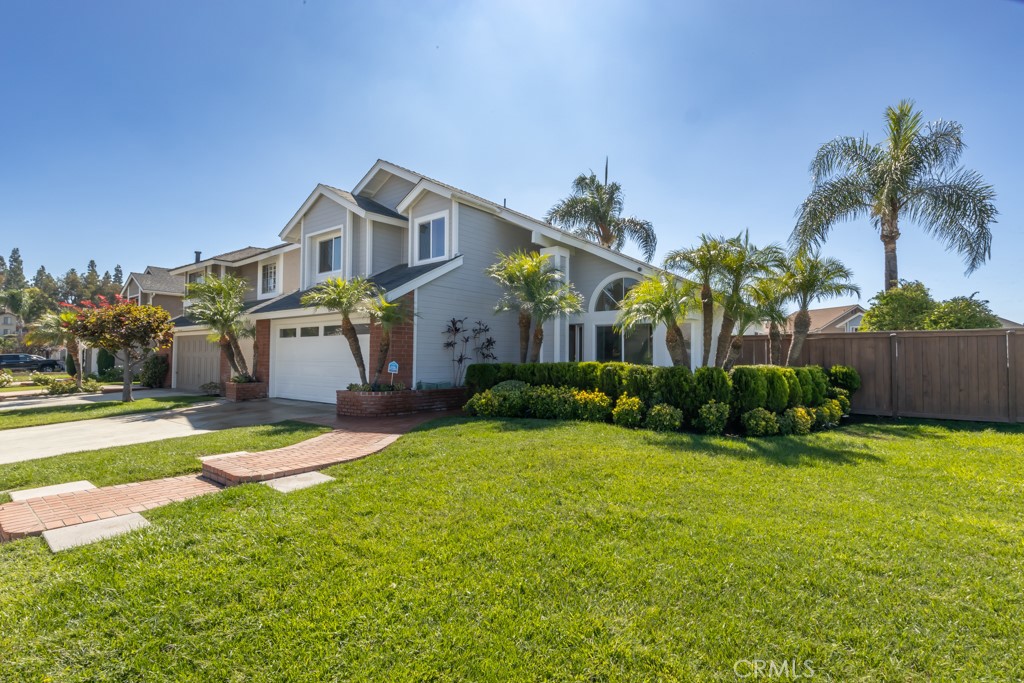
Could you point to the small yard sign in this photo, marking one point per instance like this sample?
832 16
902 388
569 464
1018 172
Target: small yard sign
393 368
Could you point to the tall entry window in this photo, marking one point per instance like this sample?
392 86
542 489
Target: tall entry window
635 346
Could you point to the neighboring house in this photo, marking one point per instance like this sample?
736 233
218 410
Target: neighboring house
156 286
9 324
426 243
1007 324
834 319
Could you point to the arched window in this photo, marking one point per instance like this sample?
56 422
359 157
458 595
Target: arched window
611 294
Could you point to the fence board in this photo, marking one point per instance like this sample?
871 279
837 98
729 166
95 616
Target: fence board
953 375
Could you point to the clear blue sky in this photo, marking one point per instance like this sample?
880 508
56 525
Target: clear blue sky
136 132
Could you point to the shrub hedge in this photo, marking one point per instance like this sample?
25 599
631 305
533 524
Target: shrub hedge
787 400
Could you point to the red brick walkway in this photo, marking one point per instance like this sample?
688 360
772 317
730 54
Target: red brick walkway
352 438
34 516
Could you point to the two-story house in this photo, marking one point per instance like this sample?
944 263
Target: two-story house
156 286
429 244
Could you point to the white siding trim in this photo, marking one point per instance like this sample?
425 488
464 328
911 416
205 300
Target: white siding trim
415 260
369 247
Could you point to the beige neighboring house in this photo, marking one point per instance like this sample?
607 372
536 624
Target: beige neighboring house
9 323
156 286
834 319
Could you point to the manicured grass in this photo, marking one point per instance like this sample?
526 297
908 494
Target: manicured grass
521 550
139 462
44 415
20 388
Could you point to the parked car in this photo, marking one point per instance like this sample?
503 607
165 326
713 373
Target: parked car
29 363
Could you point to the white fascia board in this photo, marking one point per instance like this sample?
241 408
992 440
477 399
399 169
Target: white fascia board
263 256
305 313
320 190
422 186
190 329
416 283
202 264
387 167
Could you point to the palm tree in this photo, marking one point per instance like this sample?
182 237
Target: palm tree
812 278
770 295
535 290
915 174
594 211
346 297
219 303
55 330
741 264
389 315
701 264
661 299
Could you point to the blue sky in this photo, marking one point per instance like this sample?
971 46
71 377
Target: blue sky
134 133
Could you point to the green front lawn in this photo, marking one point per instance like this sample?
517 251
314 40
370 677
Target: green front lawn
154 460
523 550
45 415
17 387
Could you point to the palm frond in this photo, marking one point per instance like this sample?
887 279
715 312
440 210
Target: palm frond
841 199
958 209
848 155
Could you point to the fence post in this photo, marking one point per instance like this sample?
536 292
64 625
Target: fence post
894 375
1011 376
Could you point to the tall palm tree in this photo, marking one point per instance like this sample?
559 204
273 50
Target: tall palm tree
219 303
913 174
741 264
54 330
389 315
535 290
346 297
594 211
812 278
661 299
701 264
769 295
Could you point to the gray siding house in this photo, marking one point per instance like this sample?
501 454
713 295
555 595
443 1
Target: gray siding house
429 243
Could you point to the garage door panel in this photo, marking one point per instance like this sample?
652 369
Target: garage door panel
197 361
311 368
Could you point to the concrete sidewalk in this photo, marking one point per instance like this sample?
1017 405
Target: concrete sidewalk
43 401
30 443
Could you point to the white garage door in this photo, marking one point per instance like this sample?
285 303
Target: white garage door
197 361
310 360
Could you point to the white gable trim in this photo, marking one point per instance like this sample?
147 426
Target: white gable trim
320 191
416 192
387 167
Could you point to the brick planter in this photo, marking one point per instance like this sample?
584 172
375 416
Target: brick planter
385 403
246 391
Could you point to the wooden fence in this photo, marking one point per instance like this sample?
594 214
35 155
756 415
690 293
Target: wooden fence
949 375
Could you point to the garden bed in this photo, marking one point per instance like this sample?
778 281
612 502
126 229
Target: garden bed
387 403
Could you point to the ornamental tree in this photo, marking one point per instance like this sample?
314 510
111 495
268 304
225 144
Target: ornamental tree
129 328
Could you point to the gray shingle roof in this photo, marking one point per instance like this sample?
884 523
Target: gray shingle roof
388 280
156 279
367 204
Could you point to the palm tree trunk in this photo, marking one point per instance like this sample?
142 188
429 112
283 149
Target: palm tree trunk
724 339
890 233
229 353
735 349
678 349
243 367
524 335
383 349
348 330
126 377
774 344
75 351
708 310
801 326
538 339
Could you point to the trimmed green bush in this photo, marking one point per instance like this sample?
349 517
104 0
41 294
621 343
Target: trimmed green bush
711 384
777 396
796 394
806 386
613 379
676 387
588 376
642 381
69 365
509 385
749 388
796 421
844 377
842 396
760 422
482 376
664 418
819 384
154 371
537 374
592 406
104 361
712 417
628 412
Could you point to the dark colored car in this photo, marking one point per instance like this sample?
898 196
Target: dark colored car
29 363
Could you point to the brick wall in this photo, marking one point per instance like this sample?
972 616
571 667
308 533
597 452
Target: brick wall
385 403
401 347
262 342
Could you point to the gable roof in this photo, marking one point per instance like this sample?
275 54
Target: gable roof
367 204
822 318
158 280
230 258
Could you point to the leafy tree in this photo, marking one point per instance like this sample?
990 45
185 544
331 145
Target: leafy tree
91 281
741 264
900 308
133 330
701 264
219 303
346 297
661 300
535 290
913 174
15 278
961 313
389 315
70 288
118 276
594 211
813 278
26 304
3 273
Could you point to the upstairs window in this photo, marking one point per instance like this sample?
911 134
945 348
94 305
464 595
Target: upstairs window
329 251
195 276
269 279
430 238
611 294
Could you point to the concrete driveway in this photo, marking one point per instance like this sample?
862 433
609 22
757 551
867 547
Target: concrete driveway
30 443
22 402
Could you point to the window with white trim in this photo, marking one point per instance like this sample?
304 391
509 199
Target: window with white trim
268 278
431 238
329 255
